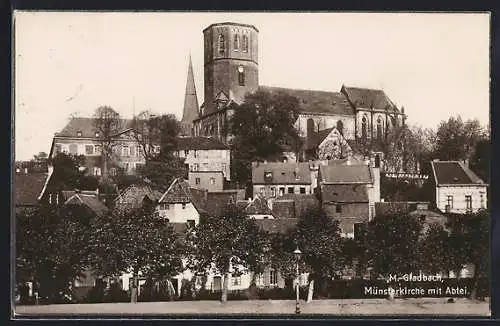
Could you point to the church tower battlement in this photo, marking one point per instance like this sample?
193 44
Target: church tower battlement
230 63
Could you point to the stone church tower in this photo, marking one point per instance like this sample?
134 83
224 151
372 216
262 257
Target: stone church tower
191 108
231 64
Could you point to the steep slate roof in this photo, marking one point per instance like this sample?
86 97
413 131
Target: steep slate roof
283 173
344 193
86 126
312 101
199 143
367 98
180 192
345 174
217 201
90 201
27 188
452 173
277 225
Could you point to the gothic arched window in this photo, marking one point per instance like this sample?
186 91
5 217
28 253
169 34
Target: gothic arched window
221 44
379 128
340 127
245 43
364 126
236 42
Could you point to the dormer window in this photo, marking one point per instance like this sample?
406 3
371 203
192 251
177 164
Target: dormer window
79 133
268 176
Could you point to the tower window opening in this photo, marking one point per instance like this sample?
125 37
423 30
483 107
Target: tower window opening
241 76
221 44
236 42
363 128
379 128
245 43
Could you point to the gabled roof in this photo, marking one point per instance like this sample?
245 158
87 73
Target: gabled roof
87 127
135 194
96 206
454 173
67 194
277 225
178 192
199 143
341 174
312 101
369 98
282 173
28 187
344 193
316 138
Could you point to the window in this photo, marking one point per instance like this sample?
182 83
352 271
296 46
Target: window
73 149
290 190
164 206
379 128
195 154
282 191
58 148
338 208
197 181
212 181
273 192
97 171
156 148
364 126
236 280
132 151
97 149
340 127
125 167
183 205
273 277
112 171
241 76
79 133
259 279
221 44
196 167
268 176
468 203
89 149
482 200
236 42
449 202
138 151
245 43
186 152
190 223
125 151
205 166
302 190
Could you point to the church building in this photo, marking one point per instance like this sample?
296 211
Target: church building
231 70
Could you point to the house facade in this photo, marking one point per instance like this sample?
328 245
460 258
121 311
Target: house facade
275 179
348 193
457 188
213 181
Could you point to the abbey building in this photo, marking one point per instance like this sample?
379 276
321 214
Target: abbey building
231 70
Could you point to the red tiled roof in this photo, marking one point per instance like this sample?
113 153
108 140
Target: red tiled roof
345 174
344 193
453 172
199 143
312 101
282 173
27 188
367 98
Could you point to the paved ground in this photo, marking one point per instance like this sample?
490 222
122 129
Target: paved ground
350 307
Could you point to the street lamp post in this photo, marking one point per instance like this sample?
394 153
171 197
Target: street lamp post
297 254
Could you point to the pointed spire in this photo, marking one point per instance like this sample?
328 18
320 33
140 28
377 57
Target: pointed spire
191 108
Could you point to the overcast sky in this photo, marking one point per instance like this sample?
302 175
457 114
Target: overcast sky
435 65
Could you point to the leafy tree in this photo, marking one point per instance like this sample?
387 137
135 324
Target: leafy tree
52 249
456 140
481 159
262 128
67 173
228 243
391 244
318 237
433 250
107 123
135 241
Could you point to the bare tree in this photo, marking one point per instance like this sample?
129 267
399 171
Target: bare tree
146 133
107 123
